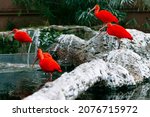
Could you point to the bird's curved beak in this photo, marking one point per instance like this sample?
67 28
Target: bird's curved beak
91 10
6 35
34 61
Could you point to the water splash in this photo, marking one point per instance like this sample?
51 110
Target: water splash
35 37
3 36
36 40
28 57
60 40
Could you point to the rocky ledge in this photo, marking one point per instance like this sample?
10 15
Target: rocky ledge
97 60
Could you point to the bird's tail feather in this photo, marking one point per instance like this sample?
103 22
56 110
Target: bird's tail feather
59 70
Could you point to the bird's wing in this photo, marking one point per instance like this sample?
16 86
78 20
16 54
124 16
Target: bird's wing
49 65
119 31
22 36
47 55
108 16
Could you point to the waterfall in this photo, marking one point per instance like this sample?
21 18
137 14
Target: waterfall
28 57
35 39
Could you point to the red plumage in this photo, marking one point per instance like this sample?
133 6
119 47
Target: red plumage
47 55
104 15
118 31
22 36
47 63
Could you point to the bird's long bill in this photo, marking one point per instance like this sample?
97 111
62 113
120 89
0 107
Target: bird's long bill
8 33
91 10
34 61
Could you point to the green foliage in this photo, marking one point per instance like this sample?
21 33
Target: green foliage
83 18
81 9
24 3
118 4
146 26
147 3
8 46
142 5
47 37
73 11
132 22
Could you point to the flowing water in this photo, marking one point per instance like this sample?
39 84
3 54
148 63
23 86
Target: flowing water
35 38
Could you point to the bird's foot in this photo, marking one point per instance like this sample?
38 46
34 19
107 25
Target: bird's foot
49 79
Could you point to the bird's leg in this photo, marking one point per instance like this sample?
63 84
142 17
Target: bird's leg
101 29
119 43
100 34
104 25
21 50
23 47
50 79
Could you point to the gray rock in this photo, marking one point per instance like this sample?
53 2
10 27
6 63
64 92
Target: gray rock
98 46
70 85
68 49
83 32
131 61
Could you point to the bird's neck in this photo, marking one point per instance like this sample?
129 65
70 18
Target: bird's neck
109 24
97 10
40 56
16 30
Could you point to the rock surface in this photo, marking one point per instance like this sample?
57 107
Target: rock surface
83 32
76 51
68 49
70 85
131 61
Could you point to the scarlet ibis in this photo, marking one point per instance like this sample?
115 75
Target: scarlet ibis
48 64
21 36
118 31
45 54
104 15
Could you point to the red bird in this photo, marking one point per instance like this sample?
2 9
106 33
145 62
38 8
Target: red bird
21 36
47 64
45 54
104 15
118 31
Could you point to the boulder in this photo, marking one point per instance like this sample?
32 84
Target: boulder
68 49
131 61
76 51
71 84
